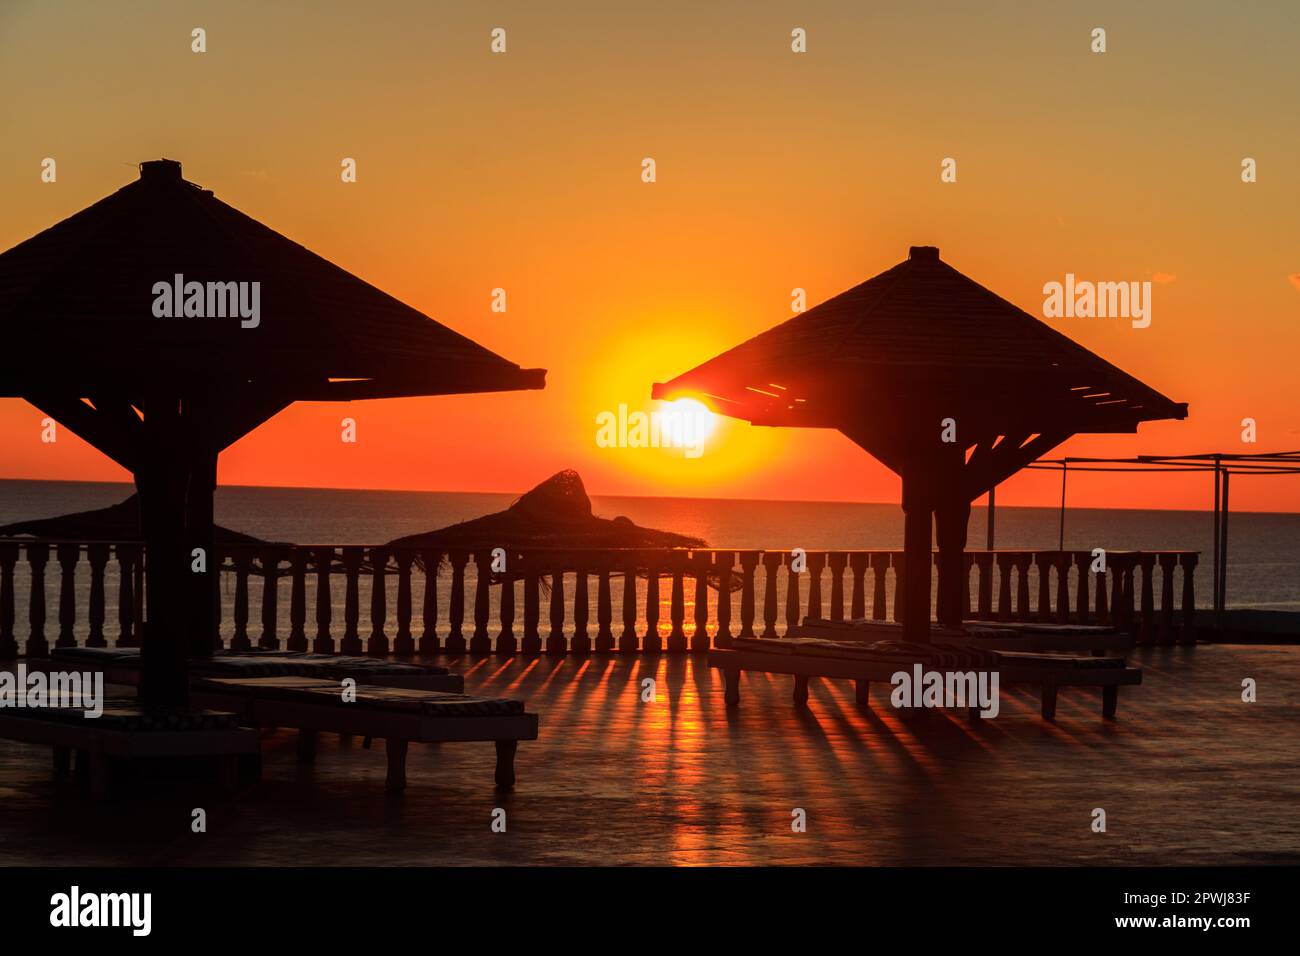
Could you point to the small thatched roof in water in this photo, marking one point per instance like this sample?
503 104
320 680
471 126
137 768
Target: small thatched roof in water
119 522
555 514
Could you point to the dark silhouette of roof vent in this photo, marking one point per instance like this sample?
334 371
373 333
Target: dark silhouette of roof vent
161 170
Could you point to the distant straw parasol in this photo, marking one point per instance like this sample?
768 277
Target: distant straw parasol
119 522
555 515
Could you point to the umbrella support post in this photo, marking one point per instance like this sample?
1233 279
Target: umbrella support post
917 533
162 483
951 519
203 587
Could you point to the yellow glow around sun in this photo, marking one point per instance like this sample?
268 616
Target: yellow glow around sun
620 375
695 413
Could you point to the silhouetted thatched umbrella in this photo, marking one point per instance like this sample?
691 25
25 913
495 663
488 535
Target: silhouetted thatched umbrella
119 522
945 383
161 325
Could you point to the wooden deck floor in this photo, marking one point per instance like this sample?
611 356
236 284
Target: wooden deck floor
1189 774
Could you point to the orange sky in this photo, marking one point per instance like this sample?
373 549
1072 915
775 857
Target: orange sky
775 170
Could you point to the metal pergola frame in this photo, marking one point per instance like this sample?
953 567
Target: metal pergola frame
1223 465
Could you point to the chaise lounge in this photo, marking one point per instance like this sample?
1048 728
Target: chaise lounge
399 715
122 666
991 635
808 658
125 730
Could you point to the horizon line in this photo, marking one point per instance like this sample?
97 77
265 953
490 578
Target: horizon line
516 494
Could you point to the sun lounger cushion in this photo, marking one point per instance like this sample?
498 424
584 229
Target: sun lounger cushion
936 655
863 627
984 630
263 663
102 655
1035 627
324 666
128 715
1061 660
323 692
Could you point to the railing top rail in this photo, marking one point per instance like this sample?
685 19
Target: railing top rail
285 546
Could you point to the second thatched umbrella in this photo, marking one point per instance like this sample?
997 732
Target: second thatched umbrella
548 531
555 515
119 522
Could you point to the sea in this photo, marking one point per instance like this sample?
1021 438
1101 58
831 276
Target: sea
1263 548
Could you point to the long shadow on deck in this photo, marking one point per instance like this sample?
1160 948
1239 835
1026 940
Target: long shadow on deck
1188 774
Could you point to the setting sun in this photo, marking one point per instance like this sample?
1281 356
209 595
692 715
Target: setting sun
691 416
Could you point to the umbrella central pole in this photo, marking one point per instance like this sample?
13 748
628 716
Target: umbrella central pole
951 519
162 484
202 586
917 535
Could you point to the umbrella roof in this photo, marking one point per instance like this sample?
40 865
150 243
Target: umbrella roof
555 514
77 308
916 340
119 522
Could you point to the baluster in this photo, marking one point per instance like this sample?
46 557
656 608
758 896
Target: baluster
37 557
377 644
1022 560
8 558
838 560
351 643
1082 561
1063 562
556 645
403 641
270 593
456 634
532 642
240 641
816 562
507 645
97 555
858 565
700 639
604 607
968 562
1130 569
324 642
68 555
216 560
297 600
722 562
771 562
1168 561
581 606
879 573
1117 592
792 596
627 640
896 562
1044 561
141 598
429 644
1099 594
984 561
748 562
1187 633
480 644
934 580
677 605
653 642
1005 563
1148 563
1130 597
128 556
